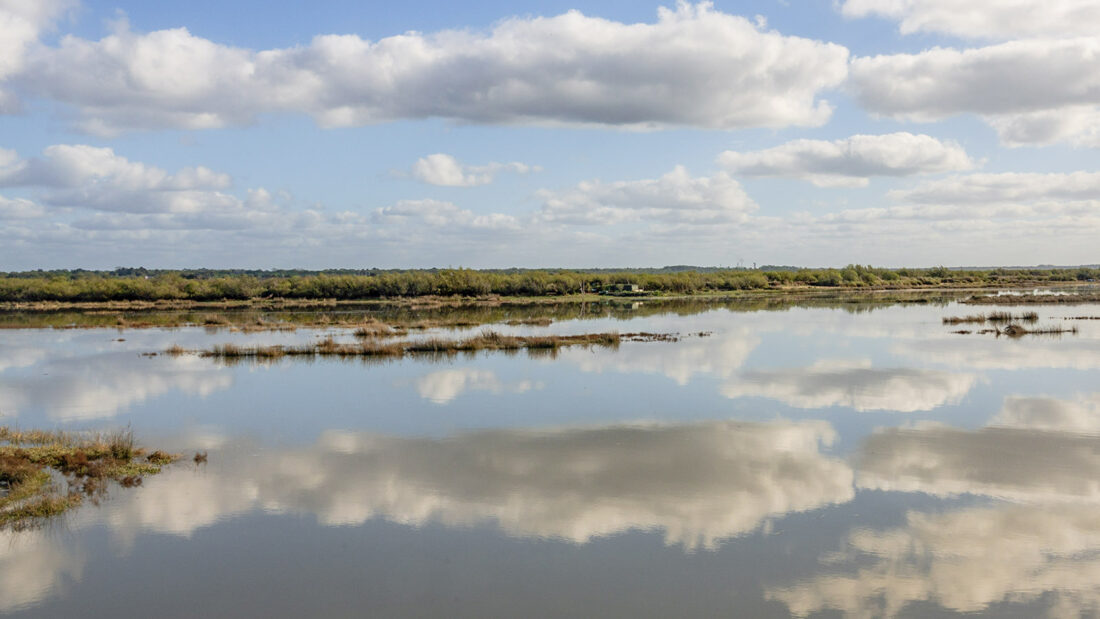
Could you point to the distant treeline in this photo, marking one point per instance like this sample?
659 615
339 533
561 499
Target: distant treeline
214 285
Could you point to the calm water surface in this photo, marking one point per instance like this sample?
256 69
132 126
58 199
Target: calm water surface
800 462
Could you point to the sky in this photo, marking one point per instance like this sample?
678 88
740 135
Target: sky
613 133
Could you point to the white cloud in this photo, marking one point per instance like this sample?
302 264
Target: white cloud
854 384
97 178
1009 187
851 161
442 214
21 23
676 197
985 19
1078 125
445 170
694 67
1012 77
20 208
1035 91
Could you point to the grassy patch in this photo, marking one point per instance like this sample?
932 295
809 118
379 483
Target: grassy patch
372 347
30 460
996 317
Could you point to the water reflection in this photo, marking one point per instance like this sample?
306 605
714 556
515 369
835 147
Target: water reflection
98 386
720 355
445 385
854 384
698 484
1038 542
32 564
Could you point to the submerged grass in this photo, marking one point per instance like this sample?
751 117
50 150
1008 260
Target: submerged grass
30 459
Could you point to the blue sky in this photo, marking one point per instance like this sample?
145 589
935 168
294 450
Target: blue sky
542 134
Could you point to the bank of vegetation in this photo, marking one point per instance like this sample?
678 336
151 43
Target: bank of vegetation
216 286
43 474
375 347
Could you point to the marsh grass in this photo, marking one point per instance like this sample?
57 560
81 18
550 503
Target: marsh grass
29 459
374 347
995 317
1017 330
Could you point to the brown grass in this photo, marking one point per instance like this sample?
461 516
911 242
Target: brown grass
991 317
486 340
87 461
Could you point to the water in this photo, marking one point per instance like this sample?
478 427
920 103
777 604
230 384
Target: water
822 460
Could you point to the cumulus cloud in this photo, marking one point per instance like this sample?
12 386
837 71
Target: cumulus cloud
1008 187
694 66
97 178
851 161
445 170
854 384
1034 91
676 197
442 214
1012 77
1078 125
21 24
985 19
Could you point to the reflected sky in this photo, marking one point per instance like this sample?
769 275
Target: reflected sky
802 461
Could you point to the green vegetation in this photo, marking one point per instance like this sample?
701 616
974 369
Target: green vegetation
1036 299
28 491
130 285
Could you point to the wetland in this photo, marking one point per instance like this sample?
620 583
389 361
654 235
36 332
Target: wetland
803 454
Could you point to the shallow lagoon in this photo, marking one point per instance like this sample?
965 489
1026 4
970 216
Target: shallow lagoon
837 459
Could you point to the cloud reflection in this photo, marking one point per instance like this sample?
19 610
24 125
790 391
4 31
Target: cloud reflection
103 385
854 384
445 385
32 565
699 483
1042 545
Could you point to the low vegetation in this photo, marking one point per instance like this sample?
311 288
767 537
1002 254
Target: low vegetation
43 474
139 285
375 347
1076 298
992 317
